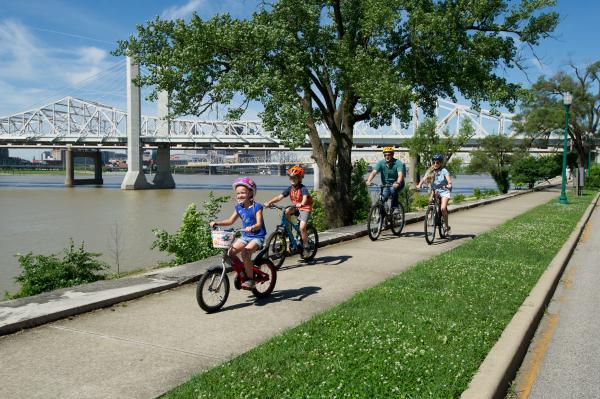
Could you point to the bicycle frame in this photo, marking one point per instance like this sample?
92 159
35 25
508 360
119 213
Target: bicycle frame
288 227
237 266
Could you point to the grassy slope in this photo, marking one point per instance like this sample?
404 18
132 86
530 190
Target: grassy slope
420 334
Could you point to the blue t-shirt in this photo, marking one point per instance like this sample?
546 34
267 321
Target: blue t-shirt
439 178
248 216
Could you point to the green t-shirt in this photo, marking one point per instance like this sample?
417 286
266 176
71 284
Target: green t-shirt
389 173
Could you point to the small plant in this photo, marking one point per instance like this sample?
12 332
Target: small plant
192 241
489 193
361 200
317 216
44 273
419 201
477 193
458 198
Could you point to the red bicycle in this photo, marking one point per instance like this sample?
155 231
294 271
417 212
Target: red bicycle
213 287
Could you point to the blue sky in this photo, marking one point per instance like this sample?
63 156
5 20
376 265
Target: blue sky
47 48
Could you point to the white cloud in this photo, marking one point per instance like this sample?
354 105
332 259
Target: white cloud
31 72
183 11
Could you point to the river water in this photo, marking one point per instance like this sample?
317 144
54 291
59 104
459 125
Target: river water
38 214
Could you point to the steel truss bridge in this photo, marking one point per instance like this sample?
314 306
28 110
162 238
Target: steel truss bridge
77 122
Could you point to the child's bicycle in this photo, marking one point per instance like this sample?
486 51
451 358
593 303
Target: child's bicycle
286 240
380 216
213 288
434 218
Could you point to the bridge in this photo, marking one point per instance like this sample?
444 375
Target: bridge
78 125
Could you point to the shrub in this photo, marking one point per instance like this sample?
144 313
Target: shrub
593 180
419 201
458 198
477 193
43 273
361 200
489 193
317 216
192 241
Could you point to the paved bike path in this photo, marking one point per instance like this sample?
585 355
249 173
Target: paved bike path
563 360
145 347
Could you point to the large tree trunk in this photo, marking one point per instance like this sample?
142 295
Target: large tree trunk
336 192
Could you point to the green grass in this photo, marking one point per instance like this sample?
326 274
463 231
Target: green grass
420 334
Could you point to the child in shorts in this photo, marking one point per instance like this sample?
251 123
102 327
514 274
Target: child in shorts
301 201
254 232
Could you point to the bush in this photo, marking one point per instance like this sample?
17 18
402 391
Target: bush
489 193
530 170
361 200
192 241
593 180
43 273
317 216
418 201
458 198
477 193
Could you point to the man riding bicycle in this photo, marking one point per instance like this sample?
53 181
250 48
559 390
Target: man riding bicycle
392 173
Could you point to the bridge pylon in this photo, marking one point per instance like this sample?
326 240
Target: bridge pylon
135 178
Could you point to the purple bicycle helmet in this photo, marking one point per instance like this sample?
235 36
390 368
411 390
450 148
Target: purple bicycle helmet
246 182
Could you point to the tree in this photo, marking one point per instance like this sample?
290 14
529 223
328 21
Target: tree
530 169
543 111
494 157
335 63
427 141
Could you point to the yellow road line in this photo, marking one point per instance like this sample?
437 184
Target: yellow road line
530 375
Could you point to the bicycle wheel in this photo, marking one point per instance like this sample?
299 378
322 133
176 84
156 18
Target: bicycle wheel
430 224
211 295
276 248
375 222
398 220
441 225
313 242
263 287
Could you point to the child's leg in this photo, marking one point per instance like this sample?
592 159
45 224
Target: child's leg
303 233
247 257
236 247
444 207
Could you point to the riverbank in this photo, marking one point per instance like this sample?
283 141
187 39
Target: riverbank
40 215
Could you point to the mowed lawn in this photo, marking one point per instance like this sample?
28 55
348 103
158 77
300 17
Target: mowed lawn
420 334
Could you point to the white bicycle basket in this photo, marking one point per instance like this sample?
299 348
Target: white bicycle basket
222 238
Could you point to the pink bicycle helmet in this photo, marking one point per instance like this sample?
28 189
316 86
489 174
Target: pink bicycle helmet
246 182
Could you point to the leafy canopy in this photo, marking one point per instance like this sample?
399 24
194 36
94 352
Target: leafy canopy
365 59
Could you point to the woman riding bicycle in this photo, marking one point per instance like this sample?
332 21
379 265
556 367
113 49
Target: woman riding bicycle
251 213
441 181
392 173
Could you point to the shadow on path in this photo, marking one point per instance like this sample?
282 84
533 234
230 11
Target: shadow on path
330 260
295 294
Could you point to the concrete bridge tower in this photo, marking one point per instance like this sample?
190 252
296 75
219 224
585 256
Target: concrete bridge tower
135 178
163 177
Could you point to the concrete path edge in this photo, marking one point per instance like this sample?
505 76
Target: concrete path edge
163 279
502 362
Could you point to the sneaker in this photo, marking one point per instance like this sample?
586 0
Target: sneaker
447 230
248 284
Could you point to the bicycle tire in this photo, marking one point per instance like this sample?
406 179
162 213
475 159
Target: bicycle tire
276 248
398 220
264 289
206 282
430 224
313 242
375 222
441 225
